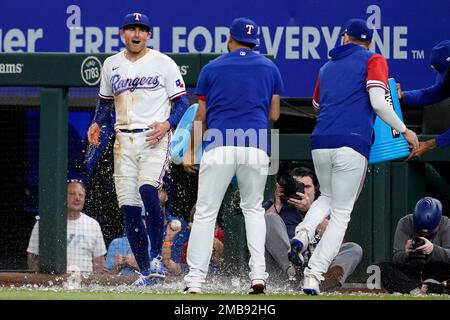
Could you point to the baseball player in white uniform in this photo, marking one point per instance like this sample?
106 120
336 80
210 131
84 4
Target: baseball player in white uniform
143 85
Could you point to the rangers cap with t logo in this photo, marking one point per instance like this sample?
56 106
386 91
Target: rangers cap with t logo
244 30
136 19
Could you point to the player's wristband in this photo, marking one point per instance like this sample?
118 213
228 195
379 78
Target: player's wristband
102 111
167 244
180 106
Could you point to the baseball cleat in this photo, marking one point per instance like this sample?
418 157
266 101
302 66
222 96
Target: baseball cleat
296 258
157 269
300 241
258 286
311 285
192 290
144 281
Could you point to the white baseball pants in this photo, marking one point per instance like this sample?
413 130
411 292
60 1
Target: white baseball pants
217 168
341 173
137 163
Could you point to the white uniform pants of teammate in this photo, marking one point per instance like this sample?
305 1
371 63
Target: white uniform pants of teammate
341 174
217 168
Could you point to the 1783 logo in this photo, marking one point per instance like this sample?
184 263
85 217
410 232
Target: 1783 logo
91 70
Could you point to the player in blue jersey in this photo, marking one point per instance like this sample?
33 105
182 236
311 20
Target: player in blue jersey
440 62
238 93
349 93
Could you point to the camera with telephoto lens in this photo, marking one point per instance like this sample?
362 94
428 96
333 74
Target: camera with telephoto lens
290 187
416 257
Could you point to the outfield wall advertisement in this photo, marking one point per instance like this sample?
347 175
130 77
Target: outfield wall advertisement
298 34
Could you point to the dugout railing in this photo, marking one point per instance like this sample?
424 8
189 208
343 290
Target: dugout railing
390 189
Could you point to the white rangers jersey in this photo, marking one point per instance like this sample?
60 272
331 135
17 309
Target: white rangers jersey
142 90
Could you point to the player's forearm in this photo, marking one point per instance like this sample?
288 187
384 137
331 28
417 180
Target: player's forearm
180 106
198 127
274 113
384 110
426 96
103 111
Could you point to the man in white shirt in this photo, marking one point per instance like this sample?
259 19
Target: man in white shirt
85 245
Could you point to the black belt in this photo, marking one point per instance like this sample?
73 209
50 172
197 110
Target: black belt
134 130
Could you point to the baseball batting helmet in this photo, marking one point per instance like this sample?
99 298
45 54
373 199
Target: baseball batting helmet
427 214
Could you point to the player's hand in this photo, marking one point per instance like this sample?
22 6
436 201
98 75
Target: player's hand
189 162
303 204
159 130
427 248
94 134
412 139
399 91
424 147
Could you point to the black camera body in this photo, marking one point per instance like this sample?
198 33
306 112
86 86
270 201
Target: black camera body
290 187
415 257
417 242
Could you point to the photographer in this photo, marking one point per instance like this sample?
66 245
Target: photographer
421 260
292 202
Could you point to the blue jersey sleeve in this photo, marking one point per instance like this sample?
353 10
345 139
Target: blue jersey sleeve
103 111
443 140
179 108
427 96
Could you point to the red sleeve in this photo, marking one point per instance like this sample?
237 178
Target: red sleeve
220 234
377 72
315 100
203 98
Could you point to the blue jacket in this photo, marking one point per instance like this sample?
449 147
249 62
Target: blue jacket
346 116
427 96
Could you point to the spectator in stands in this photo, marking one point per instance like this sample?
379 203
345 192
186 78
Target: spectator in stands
85 245
421 261
440 62
283 215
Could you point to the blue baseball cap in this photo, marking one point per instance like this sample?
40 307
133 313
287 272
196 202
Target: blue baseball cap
136 19
244 30
357 28
427 214
440 59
